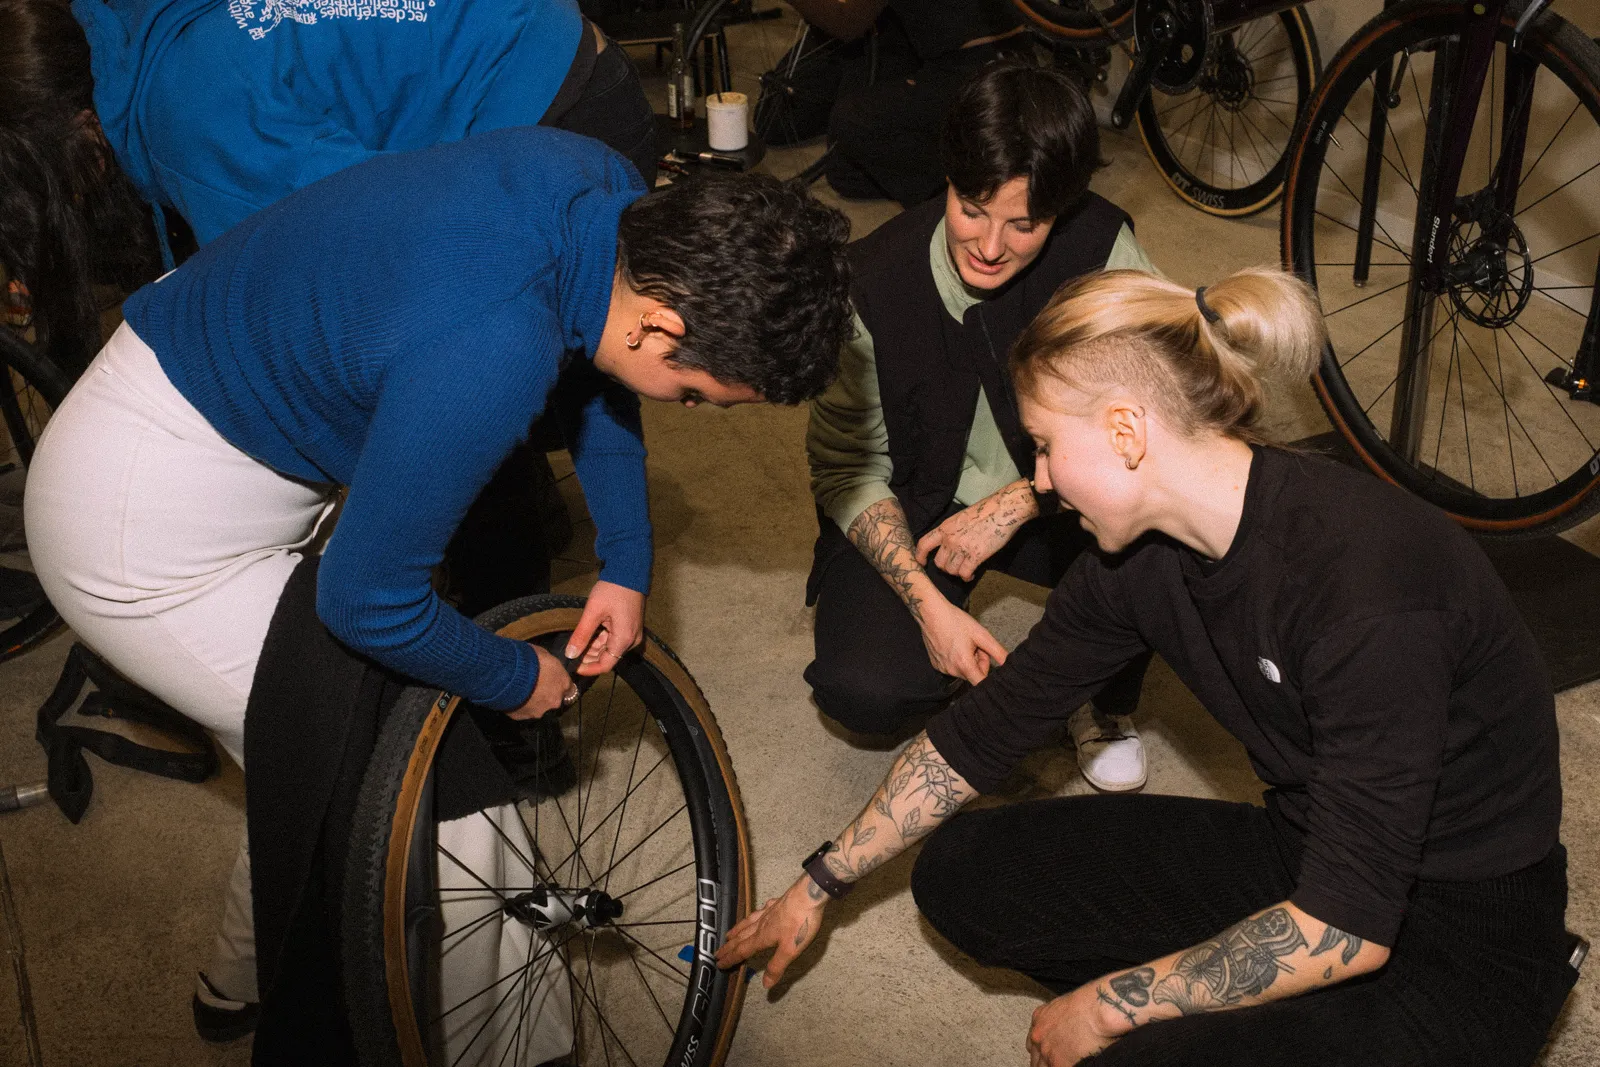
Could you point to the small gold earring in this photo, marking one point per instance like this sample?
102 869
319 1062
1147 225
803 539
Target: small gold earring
633 341
1131 463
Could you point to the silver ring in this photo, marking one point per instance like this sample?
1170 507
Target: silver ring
570 698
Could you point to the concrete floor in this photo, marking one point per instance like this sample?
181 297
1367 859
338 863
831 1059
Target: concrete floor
105 921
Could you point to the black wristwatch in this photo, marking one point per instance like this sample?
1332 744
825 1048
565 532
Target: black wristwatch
825 879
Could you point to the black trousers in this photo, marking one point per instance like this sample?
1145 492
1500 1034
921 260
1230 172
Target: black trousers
604 99
872 674
1095 884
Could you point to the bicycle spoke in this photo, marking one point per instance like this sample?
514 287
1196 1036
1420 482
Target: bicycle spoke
508 976
682 974
512 845
680 810
594 768
1372 342
470 872
1370 296
1562 303
579 844
1466 429
654 880
1549 389
1505 403
1557 189
1394 248
601 1017
622 817
653 999
1540 159
1563 248
1511 447
1394 244
475 924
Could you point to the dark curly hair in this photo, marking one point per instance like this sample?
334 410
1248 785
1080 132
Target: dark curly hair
69 217
1014 119
756 269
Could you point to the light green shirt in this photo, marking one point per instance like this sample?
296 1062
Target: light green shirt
847 443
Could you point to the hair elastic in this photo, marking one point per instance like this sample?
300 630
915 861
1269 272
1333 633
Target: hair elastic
1205 308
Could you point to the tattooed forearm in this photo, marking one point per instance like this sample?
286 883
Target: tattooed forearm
1265 957
1243 962
920 791
882 534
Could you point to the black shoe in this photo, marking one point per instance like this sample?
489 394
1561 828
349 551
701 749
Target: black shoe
221 1024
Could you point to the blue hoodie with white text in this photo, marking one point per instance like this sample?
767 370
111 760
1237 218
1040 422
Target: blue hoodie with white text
218 108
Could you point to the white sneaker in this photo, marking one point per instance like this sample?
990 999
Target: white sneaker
1110 753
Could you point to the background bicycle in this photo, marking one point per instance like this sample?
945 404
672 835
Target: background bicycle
1226 84
1465 379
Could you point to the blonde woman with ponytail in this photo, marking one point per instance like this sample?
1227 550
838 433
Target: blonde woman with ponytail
1400 898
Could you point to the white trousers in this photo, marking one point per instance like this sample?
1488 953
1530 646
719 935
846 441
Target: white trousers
166 549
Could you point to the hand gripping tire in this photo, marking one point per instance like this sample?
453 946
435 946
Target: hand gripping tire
575 925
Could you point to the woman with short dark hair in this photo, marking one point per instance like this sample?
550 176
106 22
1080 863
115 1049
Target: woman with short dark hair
917 455
395 329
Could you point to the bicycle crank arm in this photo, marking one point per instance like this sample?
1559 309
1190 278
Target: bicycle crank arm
1145 61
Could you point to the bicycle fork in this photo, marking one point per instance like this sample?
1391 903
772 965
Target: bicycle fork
1461 67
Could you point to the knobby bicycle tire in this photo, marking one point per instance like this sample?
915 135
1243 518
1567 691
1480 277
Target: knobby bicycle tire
1255 194
392 818
1560 50
34 387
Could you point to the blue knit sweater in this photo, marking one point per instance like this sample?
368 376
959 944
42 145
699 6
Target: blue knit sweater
396 328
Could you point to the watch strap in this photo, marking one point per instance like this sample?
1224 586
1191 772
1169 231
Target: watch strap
817 867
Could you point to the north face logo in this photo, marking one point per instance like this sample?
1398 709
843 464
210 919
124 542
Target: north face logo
1269 669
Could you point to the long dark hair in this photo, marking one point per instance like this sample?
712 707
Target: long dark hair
69 217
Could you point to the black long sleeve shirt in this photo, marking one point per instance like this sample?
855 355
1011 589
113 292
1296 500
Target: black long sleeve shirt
1360 646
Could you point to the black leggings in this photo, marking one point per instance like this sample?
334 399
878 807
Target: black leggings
872 674
1088 885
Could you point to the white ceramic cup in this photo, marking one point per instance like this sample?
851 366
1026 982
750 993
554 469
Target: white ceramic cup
727 121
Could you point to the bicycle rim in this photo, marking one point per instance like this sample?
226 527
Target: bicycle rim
652 822
1501 449
1223 145
32 390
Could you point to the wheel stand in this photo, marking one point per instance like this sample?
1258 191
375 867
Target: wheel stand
1553 582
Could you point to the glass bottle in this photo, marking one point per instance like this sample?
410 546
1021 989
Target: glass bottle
680 82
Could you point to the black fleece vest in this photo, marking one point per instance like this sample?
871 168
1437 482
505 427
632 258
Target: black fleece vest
930 367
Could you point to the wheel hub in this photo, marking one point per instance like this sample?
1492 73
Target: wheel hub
1231 80
547 907
1489 273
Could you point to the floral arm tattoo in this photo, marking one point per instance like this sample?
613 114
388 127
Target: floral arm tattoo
1261 958
882 534
920 791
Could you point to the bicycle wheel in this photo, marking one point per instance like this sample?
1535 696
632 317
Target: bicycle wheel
1079 21
576 925
1480 432
33 388
1223 144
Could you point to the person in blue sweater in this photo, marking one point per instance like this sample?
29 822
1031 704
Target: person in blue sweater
213 109
395 329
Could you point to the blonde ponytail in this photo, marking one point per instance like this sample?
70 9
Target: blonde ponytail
1129 328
